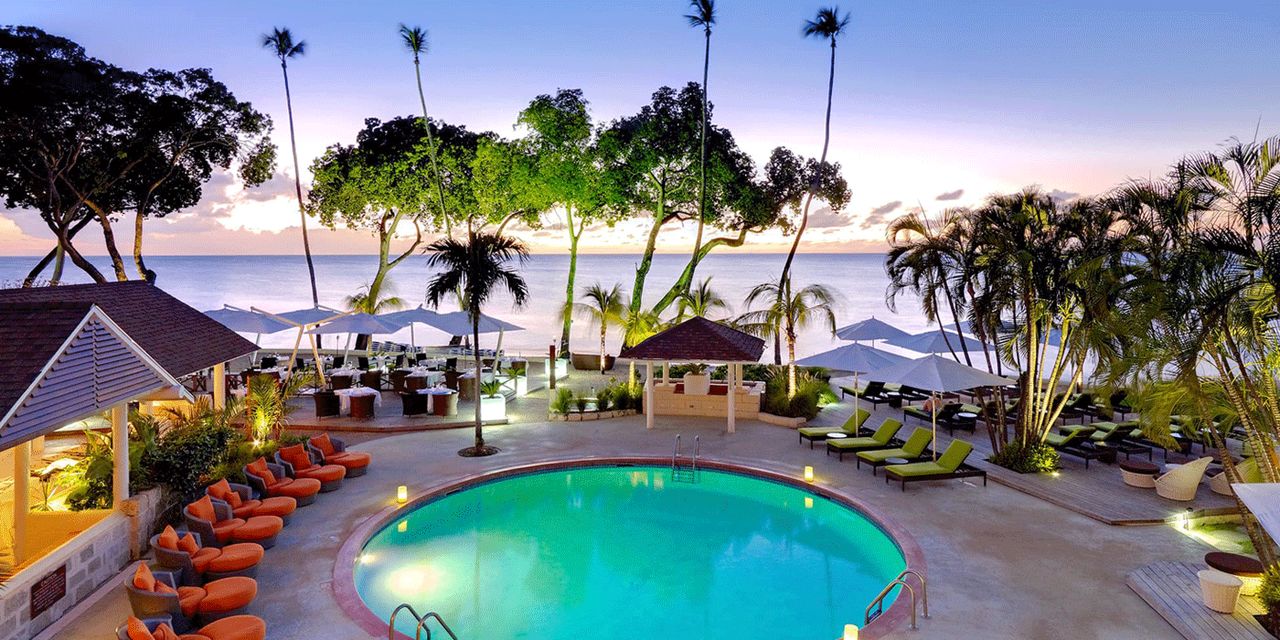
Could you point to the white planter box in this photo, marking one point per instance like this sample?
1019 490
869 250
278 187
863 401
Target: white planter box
697 384
782 421
493 408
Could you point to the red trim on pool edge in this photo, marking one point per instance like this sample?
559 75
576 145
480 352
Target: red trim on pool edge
344 584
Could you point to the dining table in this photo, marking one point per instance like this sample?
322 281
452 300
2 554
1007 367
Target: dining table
345 395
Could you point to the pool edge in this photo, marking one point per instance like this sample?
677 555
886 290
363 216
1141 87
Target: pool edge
349 600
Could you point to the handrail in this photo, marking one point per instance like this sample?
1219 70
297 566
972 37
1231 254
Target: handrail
675 455
877 603
697 446
422 622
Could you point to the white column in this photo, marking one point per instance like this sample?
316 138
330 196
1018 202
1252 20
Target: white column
666 373
120 452
732 378
21 498
648 395
219 385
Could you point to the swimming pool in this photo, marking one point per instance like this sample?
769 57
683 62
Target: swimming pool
625 551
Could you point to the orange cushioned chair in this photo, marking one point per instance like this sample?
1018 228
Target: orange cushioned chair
195 564
153 595
240 497
270 480
297 462
332 450
217 526
241 627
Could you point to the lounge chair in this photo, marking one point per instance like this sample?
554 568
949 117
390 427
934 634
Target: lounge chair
949 466
953 420
195 564
1074 441
914 448
1247 470
332 450
1182 482
218 526
874 393
879 440
945 413
156 594
849 427
270 480
239 627
1117 437
1080 407
912 394
298 464
240 498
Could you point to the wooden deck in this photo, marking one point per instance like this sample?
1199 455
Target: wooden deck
1173 590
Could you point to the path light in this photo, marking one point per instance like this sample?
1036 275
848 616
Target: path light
402 494
808 474
850 632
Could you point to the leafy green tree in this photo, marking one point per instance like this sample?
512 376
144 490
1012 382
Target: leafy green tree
637 326
786 314
504 185
562 139
603 308
703 14
281 44
415 40
478 267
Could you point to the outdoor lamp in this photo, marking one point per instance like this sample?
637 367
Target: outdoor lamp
808 474
850 632
402 494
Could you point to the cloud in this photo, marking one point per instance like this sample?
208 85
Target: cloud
878 215
1060 196
950 195
825 218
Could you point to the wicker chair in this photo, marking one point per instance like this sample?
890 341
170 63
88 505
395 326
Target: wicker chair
247 556
340 382
415 404
327 404
371 379
1181 483
362 407
398 380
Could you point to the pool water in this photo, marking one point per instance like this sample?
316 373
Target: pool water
625 552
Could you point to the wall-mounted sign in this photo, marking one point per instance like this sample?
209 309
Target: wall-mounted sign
48 591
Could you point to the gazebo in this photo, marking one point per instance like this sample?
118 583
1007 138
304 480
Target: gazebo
697 340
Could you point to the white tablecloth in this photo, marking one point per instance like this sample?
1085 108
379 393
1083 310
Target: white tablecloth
344 398
346 371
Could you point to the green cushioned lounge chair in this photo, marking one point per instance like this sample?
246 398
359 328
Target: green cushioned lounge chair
912 449
1069 437
849 427
880 439
949 466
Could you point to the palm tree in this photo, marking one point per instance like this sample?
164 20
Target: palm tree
703 14
637 326
925 258
477 267
384 299
280 42
603 307
786 315
830 25
701 302
415 40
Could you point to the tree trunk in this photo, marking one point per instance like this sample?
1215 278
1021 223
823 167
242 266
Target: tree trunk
702 188
475 337
567 325
78 259
604 332
685 280
646 260
109 238
56 255
791 363
297 185
431 148
137 245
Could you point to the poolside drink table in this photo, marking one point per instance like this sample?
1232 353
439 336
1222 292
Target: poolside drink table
966 415
344 397
836 435
1248 569
1137 473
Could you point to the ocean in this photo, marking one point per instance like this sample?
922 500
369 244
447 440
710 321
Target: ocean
279 283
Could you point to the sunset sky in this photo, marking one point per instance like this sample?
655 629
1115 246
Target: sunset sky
937 103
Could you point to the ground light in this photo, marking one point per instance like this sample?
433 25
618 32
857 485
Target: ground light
850 632
402 494
808 474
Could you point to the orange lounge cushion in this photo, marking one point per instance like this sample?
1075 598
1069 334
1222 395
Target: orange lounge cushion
259 468
222 490
225 529
324 444
189 599
246 508
350 459
258 528
228 594
188 544
143 580
277 506
243 627
168 539
136 629
297 456
193 636
203 509
295 487
327 473
235 557
201 559
164 632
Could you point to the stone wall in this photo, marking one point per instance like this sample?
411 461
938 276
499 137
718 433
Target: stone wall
144 515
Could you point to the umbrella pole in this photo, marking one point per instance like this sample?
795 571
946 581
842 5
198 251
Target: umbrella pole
934 446
297 341
497 351
315 353
856 392
254 361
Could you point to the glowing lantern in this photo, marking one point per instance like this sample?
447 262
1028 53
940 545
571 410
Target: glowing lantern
850 632
808 474
402 494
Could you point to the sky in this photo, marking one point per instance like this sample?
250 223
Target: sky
937 103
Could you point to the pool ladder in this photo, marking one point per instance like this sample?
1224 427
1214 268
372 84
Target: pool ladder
685 474
422 623
900 581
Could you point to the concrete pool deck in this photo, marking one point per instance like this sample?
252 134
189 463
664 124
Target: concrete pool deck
1001 564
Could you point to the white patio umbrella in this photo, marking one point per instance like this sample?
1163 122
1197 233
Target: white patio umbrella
938 374
458 323
871 329
410 317
244 321
1263 500
854 358
933 342
302 318
358 323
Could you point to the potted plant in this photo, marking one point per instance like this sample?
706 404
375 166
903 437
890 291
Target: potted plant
696 380
581 401
493 403
563 401
1269 596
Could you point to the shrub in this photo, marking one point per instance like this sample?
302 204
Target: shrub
562 401
810 396
491 388
1033 457
603 398
186 456
1269 592
581 403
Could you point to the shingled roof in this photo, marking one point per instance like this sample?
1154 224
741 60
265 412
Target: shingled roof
178 337
698 340
31 335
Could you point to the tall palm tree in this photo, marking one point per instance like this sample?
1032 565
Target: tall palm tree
701 302
603 307
787 314
479 267
637 326
925 258
280 42
702 14
384 299
415 40
829 25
